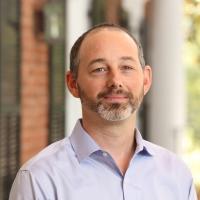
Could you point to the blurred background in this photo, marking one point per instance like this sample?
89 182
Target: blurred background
35 107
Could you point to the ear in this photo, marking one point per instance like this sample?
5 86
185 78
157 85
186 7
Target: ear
71 83
147 78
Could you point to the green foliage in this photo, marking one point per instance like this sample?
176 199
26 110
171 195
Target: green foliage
193 88
192 62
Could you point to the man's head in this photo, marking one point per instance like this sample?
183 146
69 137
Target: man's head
108 73
74 54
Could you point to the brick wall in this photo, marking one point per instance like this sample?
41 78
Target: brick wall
34 83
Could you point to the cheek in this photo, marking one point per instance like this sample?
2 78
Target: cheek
136 85
90 88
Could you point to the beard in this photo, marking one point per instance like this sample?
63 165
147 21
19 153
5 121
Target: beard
112 111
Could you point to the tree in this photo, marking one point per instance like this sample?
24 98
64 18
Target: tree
192 63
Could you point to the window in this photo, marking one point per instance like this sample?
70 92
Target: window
9 94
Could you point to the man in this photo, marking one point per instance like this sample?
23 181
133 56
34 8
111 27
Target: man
105 158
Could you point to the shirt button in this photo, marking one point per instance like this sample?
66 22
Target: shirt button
105 154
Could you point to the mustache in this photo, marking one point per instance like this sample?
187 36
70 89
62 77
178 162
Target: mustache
112 91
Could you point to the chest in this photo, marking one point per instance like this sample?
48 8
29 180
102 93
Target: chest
100 182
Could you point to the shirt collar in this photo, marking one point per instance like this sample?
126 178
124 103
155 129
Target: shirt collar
82 142
142 145
84 145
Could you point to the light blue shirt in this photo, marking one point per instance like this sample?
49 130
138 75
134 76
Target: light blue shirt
77 168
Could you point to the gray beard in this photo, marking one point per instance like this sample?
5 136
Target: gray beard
112 111
115 112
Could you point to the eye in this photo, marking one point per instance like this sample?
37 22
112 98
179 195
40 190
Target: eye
99 70
127 68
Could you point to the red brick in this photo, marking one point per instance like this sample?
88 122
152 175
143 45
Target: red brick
34 84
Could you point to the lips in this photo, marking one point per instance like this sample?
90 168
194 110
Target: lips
115 98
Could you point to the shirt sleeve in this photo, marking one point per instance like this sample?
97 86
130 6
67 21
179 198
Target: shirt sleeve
23 187
192 193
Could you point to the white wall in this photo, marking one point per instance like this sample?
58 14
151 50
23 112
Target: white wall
135 9
77 22
167 97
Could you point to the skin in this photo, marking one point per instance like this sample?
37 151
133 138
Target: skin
109 58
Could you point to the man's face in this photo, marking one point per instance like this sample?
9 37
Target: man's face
110 80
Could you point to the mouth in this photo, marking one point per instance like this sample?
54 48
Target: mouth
115 98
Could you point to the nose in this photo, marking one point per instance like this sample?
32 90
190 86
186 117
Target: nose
114 80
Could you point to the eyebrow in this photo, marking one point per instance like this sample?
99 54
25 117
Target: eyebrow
103 60
124 58
98 60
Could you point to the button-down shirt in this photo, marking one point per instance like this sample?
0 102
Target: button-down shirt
77 168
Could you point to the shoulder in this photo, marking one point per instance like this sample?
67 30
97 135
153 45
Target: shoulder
39 176
168 161
170 171
53 156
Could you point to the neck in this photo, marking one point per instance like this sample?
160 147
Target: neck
117 138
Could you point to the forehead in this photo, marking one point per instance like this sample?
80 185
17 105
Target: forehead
103 36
